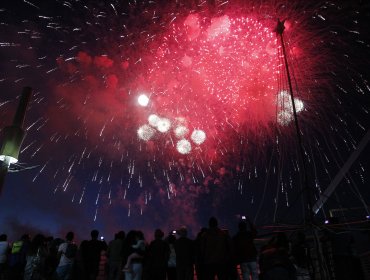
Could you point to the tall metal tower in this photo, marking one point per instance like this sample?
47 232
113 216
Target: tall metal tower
306 189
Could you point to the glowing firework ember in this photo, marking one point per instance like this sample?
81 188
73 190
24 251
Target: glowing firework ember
183 147
285 107
145 132
198 136
143 100
181 131
163 125
153 120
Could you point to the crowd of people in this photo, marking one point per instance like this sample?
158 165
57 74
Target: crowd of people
174 257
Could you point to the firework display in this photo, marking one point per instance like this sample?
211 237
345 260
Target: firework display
185 104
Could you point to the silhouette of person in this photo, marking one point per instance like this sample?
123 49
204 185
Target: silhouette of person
90 253
215 251
184 248
245 252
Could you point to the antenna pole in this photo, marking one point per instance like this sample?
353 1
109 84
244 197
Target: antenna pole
279 31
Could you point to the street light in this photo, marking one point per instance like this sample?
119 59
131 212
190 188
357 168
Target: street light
13 136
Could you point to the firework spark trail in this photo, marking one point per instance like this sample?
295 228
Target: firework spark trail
40 171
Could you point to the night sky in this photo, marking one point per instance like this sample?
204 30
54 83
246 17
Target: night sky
217 135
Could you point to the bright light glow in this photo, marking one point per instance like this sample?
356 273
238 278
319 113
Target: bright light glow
163 125
219 26
285 103
284 117
285 107
8 159
143 100
298 105
181 131
198 136
153 120
145 132
183 146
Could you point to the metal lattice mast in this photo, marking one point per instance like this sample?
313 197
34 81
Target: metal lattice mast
279 31
307 190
